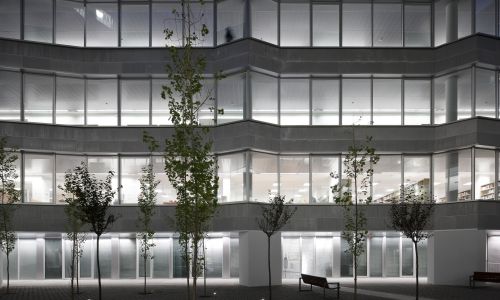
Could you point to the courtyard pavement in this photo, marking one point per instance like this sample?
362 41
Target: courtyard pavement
229 289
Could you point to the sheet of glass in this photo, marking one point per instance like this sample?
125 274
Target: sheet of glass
294 23
100 167
321 181
160 113
264 171
13 264
264 20
422 258
417 101
452 97
213 254
417 172
406 257
38 20
376 257
70 22
387 179
53 258
140 263
291 257
131 171
163 17
10 95
386 101
387 25
417 25
207 95
234 258
485 174
180 270
294 178
230 98
86 260
162 252
485 93
104 258
231 172
38 98
485 16
166 193
356 98
203 13
325 101
67 244
135 25
391 259
294 97
230 20
493 254
10 19
326 28
70 100
65 163
102 103
452 176
102 25
38 177
357 24
307 255
27 258
128 258
346 260
324 256
452 20
264 91
134 102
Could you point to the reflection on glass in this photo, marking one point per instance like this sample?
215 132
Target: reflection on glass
485 93
452 97
160 113
484 174
307 255
417 25
127 258
294 23
100 167
38 98
485 16
104 258
325 102
10 95
321 181
231 173
10 18
38 20
323 256
391 258
386 179
38 177
291 257
325 24
204 13
134 102
417 171
294 178
294 107
264 20
230 20
27 258
179 266
386 101
102 102
422 258
53 258
163 17
70 97
162 254
264 98
65 163
131 171
387 25
376 256
452 20
70 20
346 261
234 259
230 98
417 102
493 254
166 193
102 25
213 253
407 257
356 97
356 24
264 176
452 176
135 25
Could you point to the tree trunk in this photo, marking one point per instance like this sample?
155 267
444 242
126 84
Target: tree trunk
355 275
269 267
204 271
73 254
186 263
195 269
77 271
8 272
99 269
355 229
416 271
145 273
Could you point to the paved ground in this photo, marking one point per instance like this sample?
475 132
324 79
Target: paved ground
369 289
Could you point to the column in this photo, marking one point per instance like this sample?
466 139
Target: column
253 267
451 94
452 21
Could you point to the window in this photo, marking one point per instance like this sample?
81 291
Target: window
325 24
102 102
38 178
452 20
135 25
387 25
163 17
417 101
70 20
294 178
356 97
53 258
291 256
485 93
28 260
387 101
160 113
162 256
100 167
452 176
356 24
264 20
417 25
104 257
294 101
294 21
38 20
323 256
232 169
234 257
102 25
131 171
10 19
485 16
417 172
38 98
407 257
264 176
213 257
452 97
493 254
70 93
10 95
206 115
135 102
484 174
128 257
321 181
325 101
230 97
376 252
391 259
166 193
230 20
65 163
386 179
205 14
264 98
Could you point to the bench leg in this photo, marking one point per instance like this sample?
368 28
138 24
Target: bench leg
338 291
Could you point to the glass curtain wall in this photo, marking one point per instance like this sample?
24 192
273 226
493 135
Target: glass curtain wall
294 23
294 98
452 176
102 24
135 102
131 171
102 102
38 98
325 101
38 20
356 24
163 17
294 178
264 91
10 95
485 16
485 93
321 179
325 23
264 172
70 22
232 168
230 20
452 20
231 98
70 100
417 25
484 165
65 163
134 25
417 102
386 181
10 19
38 178
264 20
452 97
386 102
387 25
356 101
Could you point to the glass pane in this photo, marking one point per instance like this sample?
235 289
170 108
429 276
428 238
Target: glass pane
294 19
294 178
101 165
206 114
230 20
417 170
135 102
53 258
264 20
179 266
234 252
104 258
231 173
321 181
376 256
38 177
162 256
13 264
485 174
452 97
417 25
102 102
452 176
10 19
387 25
10 95
307 258
38 20
291 257
70 98
102 25
407 257
493 254
166 193
86 260
452 20
324 256
163 17
422 258
264 98
213 257
391 261
64 163
356 98
387 179
417 102
70 20
485 93
264 176
356 24
386 101
131 171
27 258
204 13
325 24
485 16
127 258
135 25
230 97
160 109
294 102
38 97
346 260
325 102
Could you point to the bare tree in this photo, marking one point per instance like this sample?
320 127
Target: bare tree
275 215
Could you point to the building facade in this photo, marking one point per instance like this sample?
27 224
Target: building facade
81 80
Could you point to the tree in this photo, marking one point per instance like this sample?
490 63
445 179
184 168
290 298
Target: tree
354 189
92 197
190 164
411 215
146 202
275 215
9 196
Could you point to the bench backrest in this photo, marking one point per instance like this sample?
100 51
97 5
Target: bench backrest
486 276
314 280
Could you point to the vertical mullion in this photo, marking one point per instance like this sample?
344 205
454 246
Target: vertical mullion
497 94
433 4
150 100
371 100
310 24
216 101
247 101
473 17
310 100
150 6
119 23
279 23
22 93
53 21
341 82
85 87
473 90
21 20
247 188
54 185
119 100
372 21
341 8
310 177
119 171
495 197
431 176
214 22
432 100
54 91
402 101
22 175
279 99
85 23
403 42
473 174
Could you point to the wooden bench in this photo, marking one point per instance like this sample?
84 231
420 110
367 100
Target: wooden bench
319 282
483 277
